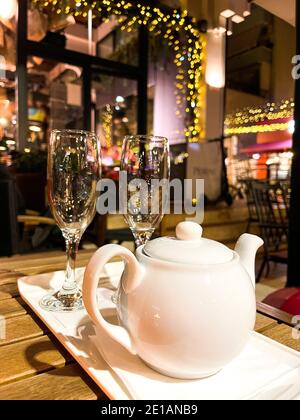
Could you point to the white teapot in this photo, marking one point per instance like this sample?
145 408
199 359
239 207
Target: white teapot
186 305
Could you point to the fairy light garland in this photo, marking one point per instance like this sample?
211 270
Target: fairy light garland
107 123
259 119
180 31
254 129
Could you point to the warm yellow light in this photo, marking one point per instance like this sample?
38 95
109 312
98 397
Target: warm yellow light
8 9
3 122
270 112
190 93
35 128
215 61
265 128
238 19
10 142
228 13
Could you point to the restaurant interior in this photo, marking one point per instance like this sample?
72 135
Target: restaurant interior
171 90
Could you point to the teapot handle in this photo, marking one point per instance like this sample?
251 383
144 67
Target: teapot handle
92 273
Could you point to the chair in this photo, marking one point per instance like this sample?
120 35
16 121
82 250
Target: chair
38 232
248 191
272 208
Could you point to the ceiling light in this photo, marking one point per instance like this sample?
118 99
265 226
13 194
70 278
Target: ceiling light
228 13
215 62
238 19
217 31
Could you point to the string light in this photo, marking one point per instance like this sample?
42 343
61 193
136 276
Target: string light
107 119
264 128
259 119
182 34
180 158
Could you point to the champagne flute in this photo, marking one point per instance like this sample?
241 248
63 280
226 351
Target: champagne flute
146 162
73 172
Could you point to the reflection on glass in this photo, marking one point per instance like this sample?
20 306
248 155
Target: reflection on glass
118 45
73 173
54 99
116 108
146 162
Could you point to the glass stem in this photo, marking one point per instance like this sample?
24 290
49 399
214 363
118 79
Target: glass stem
142 237
72 243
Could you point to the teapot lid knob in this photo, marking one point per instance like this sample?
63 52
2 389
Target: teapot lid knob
188 231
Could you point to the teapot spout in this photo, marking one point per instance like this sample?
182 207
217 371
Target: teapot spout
247 246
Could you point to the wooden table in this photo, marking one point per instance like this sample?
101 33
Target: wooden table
33 363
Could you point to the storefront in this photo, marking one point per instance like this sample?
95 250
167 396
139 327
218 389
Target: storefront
259 142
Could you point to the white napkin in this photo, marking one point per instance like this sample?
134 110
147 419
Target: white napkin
264 370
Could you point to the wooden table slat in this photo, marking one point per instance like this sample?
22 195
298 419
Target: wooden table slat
12 307
283 334
27 358
8 291
264 323
8 277
17 261
33 265
66 383
20 329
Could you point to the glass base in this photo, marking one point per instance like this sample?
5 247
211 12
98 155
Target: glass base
142 236
62 303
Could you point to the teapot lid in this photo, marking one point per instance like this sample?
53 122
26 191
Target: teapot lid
188 247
